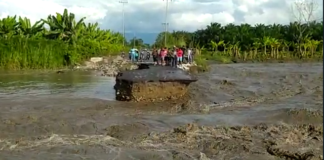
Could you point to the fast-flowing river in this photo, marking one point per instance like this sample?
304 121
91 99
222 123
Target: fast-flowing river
73 115
71 84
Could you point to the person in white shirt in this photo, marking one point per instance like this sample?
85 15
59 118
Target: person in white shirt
189 54
174 57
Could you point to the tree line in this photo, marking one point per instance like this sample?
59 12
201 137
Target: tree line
300 39
60 40
247 41
56 41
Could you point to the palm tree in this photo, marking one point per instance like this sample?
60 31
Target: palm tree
245 37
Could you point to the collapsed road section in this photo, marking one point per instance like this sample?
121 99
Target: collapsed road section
152 83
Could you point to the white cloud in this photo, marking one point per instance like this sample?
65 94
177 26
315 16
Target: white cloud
147 15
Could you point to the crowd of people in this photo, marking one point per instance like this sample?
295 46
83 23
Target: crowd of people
163 56
172 56
135 55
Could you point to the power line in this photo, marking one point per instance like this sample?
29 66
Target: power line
123 2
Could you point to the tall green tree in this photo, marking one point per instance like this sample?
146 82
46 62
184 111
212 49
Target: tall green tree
63 26
8 26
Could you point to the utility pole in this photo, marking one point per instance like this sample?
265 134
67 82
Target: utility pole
166 24
165 32
123 2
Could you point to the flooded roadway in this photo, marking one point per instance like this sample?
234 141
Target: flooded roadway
250 110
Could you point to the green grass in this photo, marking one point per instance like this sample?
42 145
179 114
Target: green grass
202 63
203 60
216 58
26 53
19 53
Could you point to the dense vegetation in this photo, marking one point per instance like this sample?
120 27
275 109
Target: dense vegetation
245 42
54 42
60 40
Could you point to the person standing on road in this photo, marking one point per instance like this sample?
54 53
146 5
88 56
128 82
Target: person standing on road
132 54
167 57
155 56
184 51
164 52
179 56
148 55
136 55
159 56
141 56
189 55
174 57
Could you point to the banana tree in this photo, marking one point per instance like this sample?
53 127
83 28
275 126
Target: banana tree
230 49
226 46
310 46
8 26
28 30
313 46
214 46
256 45
266 42
248 52
273 43
221 44
237 49
305 45
277 45
63 26
284 48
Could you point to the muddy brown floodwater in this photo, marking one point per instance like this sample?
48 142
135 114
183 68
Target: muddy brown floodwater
236 111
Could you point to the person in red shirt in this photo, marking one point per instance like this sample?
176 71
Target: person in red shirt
179 55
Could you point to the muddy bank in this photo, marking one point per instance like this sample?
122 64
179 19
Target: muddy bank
254 111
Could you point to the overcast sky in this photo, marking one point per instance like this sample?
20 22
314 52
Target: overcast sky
148 15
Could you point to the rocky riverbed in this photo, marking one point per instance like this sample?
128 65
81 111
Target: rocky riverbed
108 66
